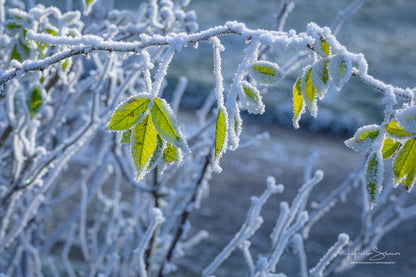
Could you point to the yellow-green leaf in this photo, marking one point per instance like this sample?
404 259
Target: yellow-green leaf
310 90
65 64
298 104
126 115
405 159
164 121
52 32
170 153
396 131
374 175
220 132
34 102
125 138
325 47
143 143
389 148
409 182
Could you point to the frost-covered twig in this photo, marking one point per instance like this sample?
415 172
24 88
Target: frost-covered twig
317 271
252 223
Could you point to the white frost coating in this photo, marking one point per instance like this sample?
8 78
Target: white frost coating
250 226
320 77
265 72
251 53
280 222
284 240
162 70
236 124
317 271
407 119
340 70
250 98
219 89
147 65
389 100
299 248
157 219
364 138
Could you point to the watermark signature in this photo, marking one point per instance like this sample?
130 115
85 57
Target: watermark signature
373 256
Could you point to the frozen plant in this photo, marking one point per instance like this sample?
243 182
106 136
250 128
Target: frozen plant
95 161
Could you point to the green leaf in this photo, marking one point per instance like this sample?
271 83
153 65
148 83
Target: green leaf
396 131
309 92
125 138
143 144
389 148
251 98
164 121
253 94
364 138
409 182
340 70
126 115
34 102
298 104
12 26
320 77
15 54
405 159
220 133
170 153
65 64
265 72
374 176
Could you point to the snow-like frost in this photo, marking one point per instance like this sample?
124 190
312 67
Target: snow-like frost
407 119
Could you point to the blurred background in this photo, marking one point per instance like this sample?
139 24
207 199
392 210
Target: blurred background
385 32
